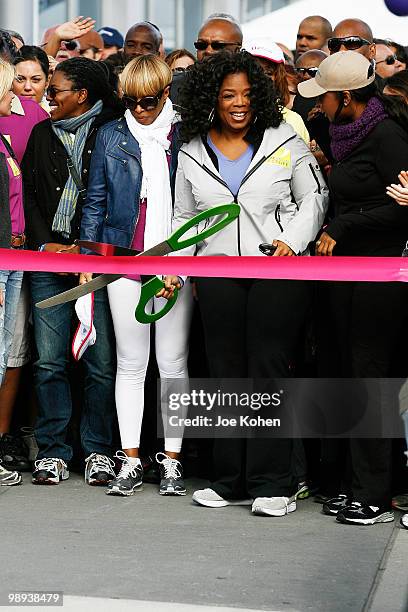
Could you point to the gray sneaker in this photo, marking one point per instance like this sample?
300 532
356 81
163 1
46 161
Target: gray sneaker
171 475
129 480
50 471
99 470
8 479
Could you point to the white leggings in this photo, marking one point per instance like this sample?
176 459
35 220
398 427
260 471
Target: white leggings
133 349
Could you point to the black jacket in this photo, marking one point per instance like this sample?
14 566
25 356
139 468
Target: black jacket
367 221
45 173
5 220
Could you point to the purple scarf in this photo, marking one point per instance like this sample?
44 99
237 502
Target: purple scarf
346 137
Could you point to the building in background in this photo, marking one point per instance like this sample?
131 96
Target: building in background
179 20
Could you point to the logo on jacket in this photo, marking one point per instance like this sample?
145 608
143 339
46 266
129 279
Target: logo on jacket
281 157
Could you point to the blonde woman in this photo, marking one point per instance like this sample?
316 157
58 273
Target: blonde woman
130 204
12 226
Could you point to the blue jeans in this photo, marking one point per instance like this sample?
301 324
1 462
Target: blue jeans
10 284
52 334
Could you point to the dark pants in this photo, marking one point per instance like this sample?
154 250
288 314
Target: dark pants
252 329
369 318
52 332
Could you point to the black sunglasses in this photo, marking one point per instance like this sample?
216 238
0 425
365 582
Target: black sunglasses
310 71
352 43
52 92
71 45
390 60
216 45
147 102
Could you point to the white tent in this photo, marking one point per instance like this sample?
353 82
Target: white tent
282 25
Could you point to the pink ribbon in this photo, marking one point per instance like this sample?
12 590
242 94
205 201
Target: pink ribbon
377 269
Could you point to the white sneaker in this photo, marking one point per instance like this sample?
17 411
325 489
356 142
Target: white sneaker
273 506
99 470
211 499
50 471
404 521
7 478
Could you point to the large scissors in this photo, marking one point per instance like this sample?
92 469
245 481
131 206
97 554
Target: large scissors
152 284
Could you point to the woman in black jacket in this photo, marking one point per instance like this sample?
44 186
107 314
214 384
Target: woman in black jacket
55 168
369 148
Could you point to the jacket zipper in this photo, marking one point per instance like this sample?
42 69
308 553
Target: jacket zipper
244 180
138 212
319 189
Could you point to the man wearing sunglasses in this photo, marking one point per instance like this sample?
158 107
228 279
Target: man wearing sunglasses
352 35
218 32
308 64
386 62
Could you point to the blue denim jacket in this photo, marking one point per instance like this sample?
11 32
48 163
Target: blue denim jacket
111 210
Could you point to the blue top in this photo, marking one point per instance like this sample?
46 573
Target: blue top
232 170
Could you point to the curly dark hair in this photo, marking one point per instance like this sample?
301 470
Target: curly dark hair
199 93
93 76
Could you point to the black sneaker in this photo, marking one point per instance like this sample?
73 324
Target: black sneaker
99 470
130 478
335 504
49 471
14 454
363 514
171 476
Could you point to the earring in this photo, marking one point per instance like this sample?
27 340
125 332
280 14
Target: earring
211 116
255 120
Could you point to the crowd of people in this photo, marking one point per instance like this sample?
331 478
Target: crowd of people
107 139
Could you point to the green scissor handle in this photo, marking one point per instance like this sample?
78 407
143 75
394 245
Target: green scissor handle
149 290
230 210
152 286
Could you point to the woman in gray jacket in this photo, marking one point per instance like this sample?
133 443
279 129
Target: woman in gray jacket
237 148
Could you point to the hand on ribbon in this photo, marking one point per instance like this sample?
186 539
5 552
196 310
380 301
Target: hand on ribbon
282 249
56 247
325 245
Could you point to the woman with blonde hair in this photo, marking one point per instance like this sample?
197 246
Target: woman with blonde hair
12 226
129 204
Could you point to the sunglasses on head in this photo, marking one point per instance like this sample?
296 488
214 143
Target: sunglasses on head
147 102
216 45
351 43
390 60
312 71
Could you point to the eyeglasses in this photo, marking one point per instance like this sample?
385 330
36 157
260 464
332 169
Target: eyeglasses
390 60
52 92
216 45
71 45
147 102
312 71
352 43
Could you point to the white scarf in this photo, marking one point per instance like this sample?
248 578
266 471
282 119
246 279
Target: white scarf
153 143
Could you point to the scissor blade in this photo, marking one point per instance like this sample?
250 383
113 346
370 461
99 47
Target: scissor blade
76 292
102 248
163 248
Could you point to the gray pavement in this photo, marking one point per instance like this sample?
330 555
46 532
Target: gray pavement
167 554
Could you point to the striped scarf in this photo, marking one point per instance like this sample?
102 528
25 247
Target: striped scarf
80 126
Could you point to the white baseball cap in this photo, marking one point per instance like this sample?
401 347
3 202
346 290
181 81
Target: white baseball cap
265 48
346 70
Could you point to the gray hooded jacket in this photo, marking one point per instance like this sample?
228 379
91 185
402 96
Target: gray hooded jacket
283 196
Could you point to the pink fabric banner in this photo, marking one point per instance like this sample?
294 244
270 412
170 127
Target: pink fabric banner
377 269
